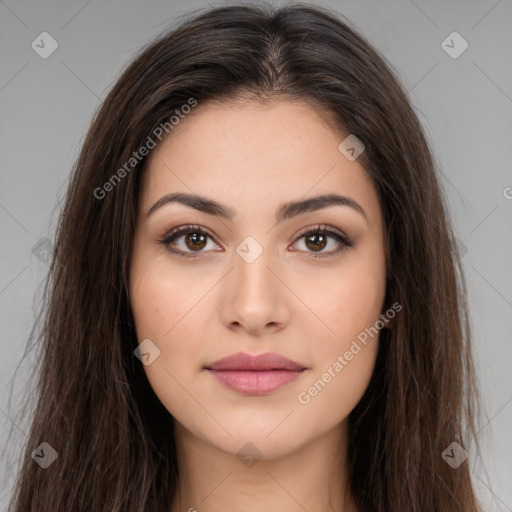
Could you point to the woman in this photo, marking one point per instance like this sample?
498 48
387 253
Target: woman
255 300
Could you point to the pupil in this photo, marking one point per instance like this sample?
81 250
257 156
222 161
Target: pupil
198 240
314 239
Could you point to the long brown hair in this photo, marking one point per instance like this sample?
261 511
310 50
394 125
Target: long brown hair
93 403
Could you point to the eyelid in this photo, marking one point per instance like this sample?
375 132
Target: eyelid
321 227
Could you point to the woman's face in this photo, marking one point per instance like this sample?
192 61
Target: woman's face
250 282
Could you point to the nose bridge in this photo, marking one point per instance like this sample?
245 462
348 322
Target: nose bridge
254 278
257 300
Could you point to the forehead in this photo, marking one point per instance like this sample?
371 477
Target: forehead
254 154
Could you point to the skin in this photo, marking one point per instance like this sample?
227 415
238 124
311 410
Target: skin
253 157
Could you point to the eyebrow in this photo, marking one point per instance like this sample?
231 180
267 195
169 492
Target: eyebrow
285 211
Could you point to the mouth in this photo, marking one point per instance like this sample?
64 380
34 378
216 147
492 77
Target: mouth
255 375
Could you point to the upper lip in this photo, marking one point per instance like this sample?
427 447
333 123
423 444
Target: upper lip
243 361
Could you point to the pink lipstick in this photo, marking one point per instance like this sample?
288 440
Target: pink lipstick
255 375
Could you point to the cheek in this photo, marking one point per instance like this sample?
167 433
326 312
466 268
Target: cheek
345 346
160 299
344 302
330 395
152 305
163 309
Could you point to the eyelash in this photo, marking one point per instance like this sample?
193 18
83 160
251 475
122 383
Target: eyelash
170 237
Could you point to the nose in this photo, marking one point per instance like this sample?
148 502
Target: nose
256 299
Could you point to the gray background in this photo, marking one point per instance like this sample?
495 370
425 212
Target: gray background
465 104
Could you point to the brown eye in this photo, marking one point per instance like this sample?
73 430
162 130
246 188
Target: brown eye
316 242
317 239
195 241
186 240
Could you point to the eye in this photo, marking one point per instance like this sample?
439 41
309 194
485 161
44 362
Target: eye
316 239
195 239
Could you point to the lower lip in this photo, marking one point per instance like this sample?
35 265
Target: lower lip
251 382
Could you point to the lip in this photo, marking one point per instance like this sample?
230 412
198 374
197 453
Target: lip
255 375
244 361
